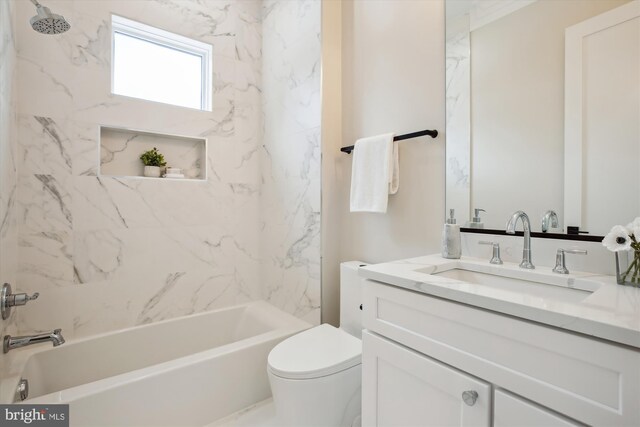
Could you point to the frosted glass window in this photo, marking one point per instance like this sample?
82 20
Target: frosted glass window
152 64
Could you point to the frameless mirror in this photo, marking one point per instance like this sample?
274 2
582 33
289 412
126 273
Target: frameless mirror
543 112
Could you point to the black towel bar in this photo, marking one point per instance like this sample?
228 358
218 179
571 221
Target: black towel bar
431 133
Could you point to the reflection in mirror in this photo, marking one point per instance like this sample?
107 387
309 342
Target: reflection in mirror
543 112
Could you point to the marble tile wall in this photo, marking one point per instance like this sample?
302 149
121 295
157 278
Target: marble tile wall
458 107
107 253
290 200
8 157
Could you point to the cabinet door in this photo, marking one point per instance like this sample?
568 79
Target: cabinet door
401 387
512 411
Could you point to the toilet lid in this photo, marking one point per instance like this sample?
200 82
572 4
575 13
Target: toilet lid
316 352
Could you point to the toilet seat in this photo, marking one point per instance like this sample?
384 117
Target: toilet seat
316 352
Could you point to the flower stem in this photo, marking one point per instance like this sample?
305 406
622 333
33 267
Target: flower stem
631 267
633 271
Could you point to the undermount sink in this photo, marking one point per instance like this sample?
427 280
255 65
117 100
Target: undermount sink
529 283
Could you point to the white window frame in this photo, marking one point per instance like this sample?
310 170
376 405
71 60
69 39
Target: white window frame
170 40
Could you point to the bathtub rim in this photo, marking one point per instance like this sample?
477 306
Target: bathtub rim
286 324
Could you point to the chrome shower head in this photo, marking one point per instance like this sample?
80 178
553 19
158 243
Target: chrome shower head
46 22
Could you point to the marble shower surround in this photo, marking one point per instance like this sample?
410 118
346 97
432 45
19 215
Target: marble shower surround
290 156
107 253
8 158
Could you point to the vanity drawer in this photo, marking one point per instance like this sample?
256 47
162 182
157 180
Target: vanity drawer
511 411
589 380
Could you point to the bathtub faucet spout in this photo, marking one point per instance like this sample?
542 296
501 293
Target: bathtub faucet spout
10 342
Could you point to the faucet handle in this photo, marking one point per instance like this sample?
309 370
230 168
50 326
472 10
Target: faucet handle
8 300
495 256
574 251
561 267
22 299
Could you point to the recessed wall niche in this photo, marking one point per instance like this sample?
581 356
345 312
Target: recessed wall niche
120 151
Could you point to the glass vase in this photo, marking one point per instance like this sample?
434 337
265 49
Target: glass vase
628 268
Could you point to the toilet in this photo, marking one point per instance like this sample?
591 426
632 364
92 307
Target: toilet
315 375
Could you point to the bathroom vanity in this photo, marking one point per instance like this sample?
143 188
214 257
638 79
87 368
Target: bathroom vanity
464 342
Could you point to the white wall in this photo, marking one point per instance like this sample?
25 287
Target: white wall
8 157
393 81
380 94
609 123
517 110
331 156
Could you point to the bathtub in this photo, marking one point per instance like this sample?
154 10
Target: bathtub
188 371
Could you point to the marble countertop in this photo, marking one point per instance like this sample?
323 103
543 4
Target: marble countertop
607 310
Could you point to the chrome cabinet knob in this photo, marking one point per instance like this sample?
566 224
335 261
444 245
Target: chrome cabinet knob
469 397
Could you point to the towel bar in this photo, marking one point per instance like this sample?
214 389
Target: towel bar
431 133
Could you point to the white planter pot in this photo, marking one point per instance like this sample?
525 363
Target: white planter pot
152 171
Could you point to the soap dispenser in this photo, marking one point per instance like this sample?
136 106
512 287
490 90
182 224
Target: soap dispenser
476 221
451 244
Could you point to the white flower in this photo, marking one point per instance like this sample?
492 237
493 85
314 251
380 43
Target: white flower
618 239
632 226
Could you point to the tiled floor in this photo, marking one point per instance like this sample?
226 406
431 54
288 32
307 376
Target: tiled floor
262 414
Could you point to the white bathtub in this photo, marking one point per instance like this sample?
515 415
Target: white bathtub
187 371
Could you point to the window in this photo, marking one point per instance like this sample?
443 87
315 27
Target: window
156 65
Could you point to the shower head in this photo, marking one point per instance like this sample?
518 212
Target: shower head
46 22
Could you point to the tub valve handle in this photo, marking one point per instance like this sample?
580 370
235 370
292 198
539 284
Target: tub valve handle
8 300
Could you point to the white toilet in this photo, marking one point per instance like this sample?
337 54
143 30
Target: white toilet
316 375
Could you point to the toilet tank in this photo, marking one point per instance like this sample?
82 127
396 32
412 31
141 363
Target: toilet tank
351 297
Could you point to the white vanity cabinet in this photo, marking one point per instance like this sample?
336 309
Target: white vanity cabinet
404 388
421 353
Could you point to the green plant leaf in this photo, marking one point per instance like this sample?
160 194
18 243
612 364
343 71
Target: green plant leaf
153 158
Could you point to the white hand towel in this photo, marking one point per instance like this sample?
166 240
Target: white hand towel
375 173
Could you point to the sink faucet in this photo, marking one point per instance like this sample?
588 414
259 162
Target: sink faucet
16 342
550 218
511 229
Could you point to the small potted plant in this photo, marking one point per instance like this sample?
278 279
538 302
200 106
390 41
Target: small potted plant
153 160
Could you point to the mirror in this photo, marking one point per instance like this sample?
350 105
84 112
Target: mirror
543 112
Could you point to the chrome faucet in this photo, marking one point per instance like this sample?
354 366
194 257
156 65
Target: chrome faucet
561 266
16 342
495 257
549 219
526 225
